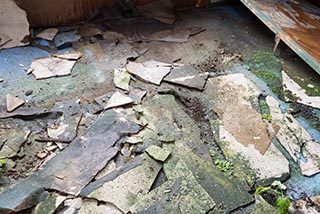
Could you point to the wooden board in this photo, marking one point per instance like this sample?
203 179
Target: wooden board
297 23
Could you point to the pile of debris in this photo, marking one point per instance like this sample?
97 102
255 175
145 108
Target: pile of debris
165 137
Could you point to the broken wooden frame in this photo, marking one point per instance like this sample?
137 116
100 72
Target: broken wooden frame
294 22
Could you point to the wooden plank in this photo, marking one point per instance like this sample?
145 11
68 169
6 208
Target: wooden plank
297 23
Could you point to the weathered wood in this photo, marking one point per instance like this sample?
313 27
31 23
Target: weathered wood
294 23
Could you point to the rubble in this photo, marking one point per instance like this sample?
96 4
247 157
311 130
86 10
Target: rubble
243 136
188 77
69 174
194 140
121 79
295 139
158 153
54 66
118 99
299 93
13 102
124 189
150 71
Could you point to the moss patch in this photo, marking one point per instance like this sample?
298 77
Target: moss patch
267 67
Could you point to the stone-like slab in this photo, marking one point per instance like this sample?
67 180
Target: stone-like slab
188 76
121 79
124 190
75 166
234 97
158 153
167 116
242 134
14 140
295 139
181 194
150 71
118 99
298 92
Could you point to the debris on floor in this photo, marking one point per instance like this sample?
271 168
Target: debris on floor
13 102
54 66
150 71
121 79
118 99
298 93
188 77
297 141
143 116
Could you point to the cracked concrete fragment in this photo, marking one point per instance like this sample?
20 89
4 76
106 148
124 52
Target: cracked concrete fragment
51 67
121 79
158 153
14 25
234 97
167 116
49 204
191 197
92 207
250 164
13 102
48 34
118 99
150 71
187 76
295 139
74 167
14 140
290 85
125 189
66 128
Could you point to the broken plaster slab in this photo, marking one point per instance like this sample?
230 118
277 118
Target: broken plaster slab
48 34
121 79
150 71
181 194
235 101
51 67
295 139
158 153
118 99
250 164
74 167
14 25
188 76
290 85
167 116
13 102
124 190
